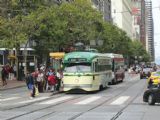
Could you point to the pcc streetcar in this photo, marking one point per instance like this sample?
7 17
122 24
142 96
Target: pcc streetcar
86 71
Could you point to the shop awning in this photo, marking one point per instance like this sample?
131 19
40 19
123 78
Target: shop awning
57 55
11 57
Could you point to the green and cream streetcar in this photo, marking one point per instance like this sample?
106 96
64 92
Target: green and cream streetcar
86 71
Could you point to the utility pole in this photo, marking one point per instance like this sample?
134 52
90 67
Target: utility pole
25 58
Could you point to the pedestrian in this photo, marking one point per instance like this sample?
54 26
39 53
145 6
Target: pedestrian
51 80
30 84
4 76
59 77
7 69
11 73
40 81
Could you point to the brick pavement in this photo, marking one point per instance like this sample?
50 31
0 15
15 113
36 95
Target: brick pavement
12 84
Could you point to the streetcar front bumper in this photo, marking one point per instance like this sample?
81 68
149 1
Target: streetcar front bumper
85 87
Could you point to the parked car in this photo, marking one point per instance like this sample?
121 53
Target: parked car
145 73
152 95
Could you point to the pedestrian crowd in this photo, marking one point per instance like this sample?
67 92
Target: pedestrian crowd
6 73
42 80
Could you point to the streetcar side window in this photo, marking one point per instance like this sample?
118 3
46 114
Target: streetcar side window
102 67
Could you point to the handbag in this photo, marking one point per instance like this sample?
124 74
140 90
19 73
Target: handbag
36 91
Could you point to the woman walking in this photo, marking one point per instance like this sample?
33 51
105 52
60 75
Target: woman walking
59 76
40 81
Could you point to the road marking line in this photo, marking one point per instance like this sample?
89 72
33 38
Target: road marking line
56 100
33 100
89 100
120 100
7 99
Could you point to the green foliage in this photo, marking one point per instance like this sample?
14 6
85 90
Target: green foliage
115 40
12 33
62 26
55 26
137 49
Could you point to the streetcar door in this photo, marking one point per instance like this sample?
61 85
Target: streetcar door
93 67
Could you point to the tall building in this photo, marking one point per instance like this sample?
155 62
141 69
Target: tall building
149 29
104 6
122 15
143 24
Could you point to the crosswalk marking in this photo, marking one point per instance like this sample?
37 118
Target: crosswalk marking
53 101
7 99
33 100
120 100
89 100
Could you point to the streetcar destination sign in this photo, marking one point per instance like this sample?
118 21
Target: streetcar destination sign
77 59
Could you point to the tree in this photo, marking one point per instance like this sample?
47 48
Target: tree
54 30
115 40
12 32
54 27
137 50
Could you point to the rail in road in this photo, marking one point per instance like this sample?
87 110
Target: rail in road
109 94
37 99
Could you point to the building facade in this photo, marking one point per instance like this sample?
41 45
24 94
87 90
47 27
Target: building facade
143 24
104 6
136 15
122 15
149 29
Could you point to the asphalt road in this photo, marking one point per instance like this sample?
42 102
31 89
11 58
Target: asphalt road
118 102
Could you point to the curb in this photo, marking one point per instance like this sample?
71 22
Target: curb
4 89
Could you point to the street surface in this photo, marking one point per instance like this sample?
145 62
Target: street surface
118 102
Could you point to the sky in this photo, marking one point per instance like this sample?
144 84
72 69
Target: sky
156 19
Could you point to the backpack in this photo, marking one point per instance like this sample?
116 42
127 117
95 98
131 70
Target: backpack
29 79
51 80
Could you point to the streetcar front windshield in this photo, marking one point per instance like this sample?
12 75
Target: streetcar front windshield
78 67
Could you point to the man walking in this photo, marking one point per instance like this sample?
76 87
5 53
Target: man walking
30 84
4 75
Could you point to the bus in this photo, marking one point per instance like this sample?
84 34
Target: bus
86 71
118 70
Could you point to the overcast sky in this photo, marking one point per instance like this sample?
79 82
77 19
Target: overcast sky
156 17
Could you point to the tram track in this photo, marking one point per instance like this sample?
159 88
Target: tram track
60 95
121 111
112 98
31 103
119 88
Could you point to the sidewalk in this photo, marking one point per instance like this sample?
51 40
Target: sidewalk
12 84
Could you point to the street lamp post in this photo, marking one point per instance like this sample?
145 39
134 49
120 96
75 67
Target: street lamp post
25 57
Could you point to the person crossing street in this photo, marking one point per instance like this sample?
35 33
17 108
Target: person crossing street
30 84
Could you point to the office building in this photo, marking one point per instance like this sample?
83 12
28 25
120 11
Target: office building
149 29
104 6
